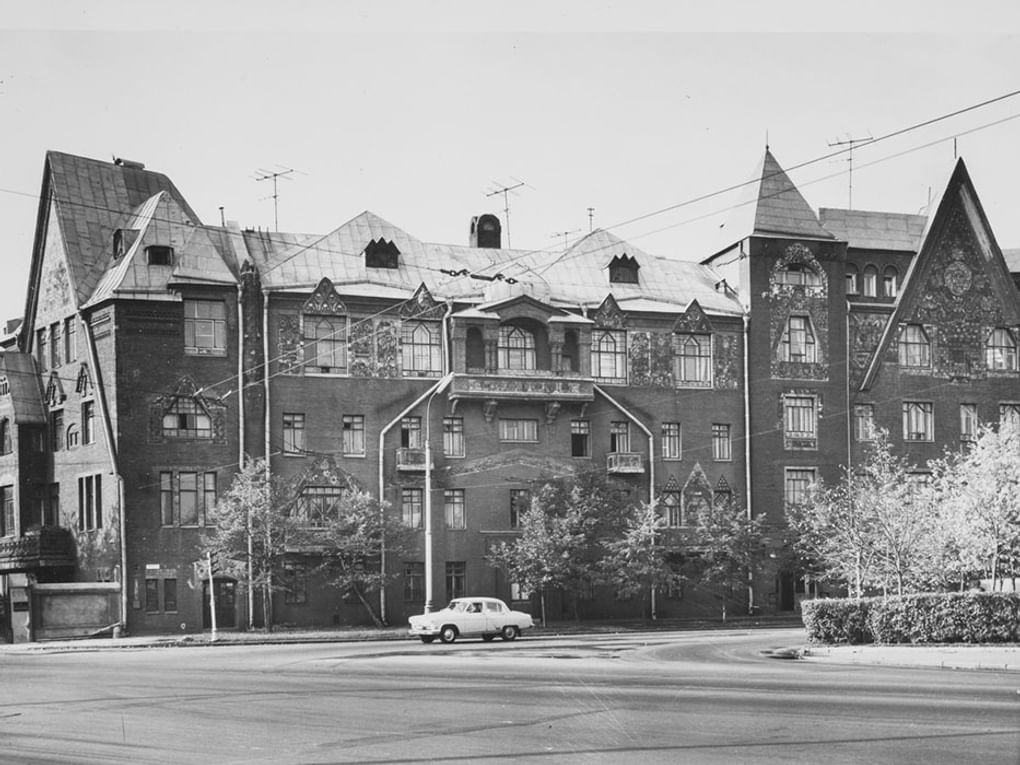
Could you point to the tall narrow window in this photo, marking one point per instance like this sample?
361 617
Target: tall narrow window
516 348
722 450
914 347
851 279
864 422
414 581
1000 350
456 579
798 341
8 526
325 344
421 349
619 437
411 507
797 484
453 509
671 446
166 498
51 515
56 429
1009 416
580 438
88 422
188 488
205 327
56 345
609 356
353 435
969 423
520 499
90 502
453 436
410 433
70 340
918 420
42 353
5 436
293 433
672 509
693 359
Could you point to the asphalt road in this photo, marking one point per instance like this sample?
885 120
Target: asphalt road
664 697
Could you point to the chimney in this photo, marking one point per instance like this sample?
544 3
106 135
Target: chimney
486 231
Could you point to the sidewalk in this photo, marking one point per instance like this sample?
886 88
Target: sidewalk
986 657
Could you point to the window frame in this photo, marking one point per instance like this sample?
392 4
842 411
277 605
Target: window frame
417 358
1001 350
619 435
453 437
580 438
212 339
516 349
352 431
918 413
797 482
800 416
293 433
517 496
190 416
722 442
970 423
693 368
672 441
456 579
914 347
797 338
328 345
671 500
864 423
609 354
412 505
455 509
516 425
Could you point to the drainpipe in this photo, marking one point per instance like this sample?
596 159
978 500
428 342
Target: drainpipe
651 463
437 387
266 452
747 448
112 451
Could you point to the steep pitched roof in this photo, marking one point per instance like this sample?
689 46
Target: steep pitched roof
946 270
26 393
1012 260
771 206
869 230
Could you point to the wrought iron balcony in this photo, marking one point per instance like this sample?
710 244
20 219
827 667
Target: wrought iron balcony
49 546
625 463
531 385
411 460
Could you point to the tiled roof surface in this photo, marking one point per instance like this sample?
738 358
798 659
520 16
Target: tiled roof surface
26 395
580 275
871 230
781 209
93 199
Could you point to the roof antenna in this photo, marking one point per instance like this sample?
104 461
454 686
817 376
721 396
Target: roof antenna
564 234
850 142
591 219
766 139
955 157
505 191
265 175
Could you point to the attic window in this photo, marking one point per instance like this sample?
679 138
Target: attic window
623 269
159 255
118 244
381 254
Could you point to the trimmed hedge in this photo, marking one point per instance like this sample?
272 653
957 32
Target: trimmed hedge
972 617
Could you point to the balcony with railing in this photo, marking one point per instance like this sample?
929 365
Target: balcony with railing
625 463
411 460
522 384
49 546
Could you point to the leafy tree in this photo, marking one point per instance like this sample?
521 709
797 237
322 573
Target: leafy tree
728 547
252 531
646 557
351 538
872 529
979 495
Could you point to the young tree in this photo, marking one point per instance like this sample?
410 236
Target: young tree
979 494
729 547
351 538
251 533
646 557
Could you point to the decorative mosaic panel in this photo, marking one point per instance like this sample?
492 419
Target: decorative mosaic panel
640 364
288 344
362 348
727 357
387 344
661 359
422 306
802 300
865 334
609 315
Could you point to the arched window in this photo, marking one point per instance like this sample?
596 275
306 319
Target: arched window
798 274
421 349
326 344
5 436
870 281
693 359
609 355
1000 350
889 282
475 349
516 348
851 279
914 347
798 341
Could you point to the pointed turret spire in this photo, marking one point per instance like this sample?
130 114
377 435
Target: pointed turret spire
780 209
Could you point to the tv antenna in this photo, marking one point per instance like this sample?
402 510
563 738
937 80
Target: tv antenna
564 234
850 143
591 219
505 191
274 176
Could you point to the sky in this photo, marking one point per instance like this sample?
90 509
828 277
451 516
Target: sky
644 111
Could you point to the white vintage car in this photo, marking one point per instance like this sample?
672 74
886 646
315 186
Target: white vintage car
470 617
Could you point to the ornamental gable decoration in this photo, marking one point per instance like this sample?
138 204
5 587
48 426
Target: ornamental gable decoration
609 315
422 306
325 301
693 321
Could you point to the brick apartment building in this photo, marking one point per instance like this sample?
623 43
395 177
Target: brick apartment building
156 352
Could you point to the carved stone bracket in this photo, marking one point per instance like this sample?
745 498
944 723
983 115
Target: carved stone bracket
489 409
552 408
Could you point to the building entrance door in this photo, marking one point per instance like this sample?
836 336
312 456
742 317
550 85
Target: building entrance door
226 604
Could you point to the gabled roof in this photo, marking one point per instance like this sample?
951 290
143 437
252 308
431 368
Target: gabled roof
869 230
771 206
26 393
958 200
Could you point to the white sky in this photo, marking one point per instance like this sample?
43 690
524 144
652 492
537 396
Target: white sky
415 110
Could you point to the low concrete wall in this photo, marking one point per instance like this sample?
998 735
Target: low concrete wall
76 609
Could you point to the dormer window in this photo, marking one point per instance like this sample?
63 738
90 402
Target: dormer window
123 239
159 255
381 254
623 269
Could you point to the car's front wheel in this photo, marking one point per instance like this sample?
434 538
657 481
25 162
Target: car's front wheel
510 632
427 638
448 634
